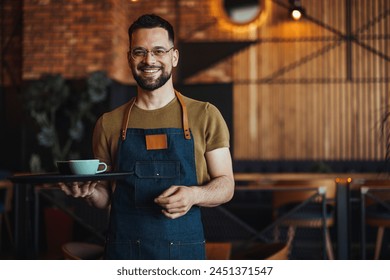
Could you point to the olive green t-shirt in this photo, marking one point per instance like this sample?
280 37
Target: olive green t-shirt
206 124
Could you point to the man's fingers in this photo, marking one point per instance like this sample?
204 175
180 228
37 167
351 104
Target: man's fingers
78 189
74 187
168 192
65 189
174 206
169 196
173 215
175 209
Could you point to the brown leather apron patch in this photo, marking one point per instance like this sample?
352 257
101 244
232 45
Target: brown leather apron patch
156 142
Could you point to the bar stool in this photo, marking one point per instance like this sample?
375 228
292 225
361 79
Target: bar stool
82 251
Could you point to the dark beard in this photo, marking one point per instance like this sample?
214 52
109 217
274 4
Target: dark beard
150 85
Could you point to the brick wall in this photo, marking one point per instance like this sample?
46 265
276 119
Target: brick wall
75 37
118 66
69 37
11 42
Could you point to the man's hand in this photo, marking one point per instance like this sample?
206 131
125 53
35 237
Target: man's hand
76 189
176 201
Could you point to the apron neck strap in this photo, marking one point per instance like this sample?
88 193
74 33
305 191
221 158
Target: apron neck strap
126 118
186 128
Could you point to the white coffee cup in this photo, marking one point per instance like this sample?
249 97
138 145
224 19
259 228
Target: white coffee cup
85 166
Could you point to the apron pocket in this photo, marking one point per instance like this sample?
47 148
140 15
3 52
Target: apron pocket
187 250
152 178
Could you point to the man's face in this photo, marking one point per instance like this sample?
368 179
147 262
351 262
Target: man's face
152 71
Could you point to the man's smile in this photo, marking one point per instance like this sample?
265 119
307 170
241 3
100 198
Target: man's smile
149 70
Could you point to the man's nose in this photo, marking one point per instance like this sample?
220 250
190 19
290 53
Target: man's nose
149 58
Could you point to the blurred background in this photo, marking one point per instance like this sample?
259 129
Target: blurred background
303 95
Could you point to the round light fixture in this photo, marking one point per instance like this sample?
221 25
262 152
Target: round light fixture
296 11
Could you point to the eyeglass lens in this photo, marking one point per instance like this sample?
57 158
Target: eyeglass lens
142 53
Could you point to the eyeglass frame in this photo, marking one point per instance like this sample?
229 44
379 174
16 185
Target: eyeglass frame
146 52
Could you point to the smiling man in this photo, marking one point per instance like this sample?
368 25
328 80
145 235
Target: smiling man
177 148
149 75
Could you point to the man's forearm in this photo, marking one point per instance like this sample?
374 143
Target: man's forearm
218 191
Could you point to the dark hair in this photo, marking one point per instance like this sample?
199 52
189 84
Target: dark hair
151 21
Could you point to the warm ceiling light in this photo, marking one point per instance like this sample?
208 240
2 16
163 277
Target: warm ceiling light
296 10
296 14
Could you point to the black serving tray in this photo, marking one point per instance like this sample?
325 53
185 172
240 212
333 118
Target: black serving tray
57 177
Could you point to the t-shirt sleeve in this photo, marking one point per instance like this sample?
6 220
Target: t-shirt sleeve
101 149
217 132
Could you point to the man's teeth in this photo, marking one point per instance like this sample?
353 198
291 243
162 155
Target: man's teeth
150 70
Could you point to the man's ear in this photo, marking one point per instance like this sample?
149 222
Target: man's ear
175 57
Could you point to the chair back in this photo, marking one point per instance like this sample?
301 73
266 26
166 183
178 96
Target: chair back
380 184
6 186
218 250
308 188
281 252
261 251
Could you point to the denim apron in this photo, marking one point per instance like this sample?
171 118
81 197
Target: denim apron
159 159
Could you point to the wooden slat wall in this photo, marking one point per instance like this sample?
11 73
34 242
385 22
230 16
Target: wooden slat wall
293 96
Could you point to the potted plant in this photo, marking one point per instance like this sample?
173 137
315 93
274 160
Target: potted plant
60 114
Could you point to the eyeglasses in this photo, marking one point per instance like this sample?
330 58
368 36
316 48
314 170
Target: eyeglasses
141 53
